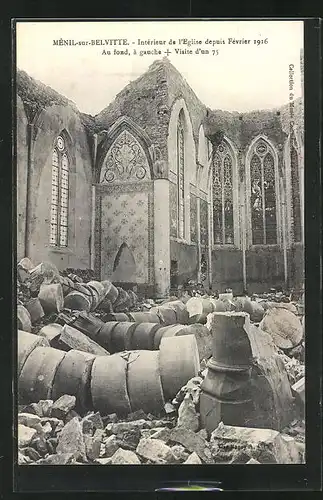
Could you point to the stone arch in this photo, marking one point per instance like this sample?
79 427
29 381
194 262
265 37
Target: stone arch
232 150
179 108
248 187
138 135
124 266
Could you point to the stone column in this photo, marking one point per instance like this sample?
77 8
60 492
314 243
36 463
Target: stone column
161 237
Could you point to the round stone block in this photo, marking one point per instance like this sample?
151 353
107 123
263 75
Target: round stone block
73 377
104 337
144 383
179 362
166 331
109 385
77 301
27 342
143 336
121 336
23 319
37 375
167 315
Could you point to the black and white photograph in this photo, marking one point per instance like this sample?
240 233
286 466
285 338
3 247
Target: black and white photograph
160 242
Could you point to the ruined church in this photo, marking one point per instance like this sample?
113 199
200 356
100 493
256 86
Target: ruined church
157 189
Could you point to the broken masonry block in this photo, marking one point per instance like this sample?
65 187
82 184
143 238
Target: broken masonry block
181 312
100 289
51 297
193 442
45 273
124 457
179 362
111 295
62 406
155 450
67 285
35 309
77 340
166 314
299 390
52 333
193 459
25 435
71 440
85 322
264 445
123 301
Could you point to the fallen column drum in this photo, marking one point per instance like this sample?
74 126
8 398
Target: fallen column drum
27 342
37 375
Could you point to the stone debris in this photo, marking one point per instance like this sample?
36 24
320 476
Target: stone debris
187 415
283 326
68 427
193 459
155 450
25 435
71 440
265 445
63 406
124 457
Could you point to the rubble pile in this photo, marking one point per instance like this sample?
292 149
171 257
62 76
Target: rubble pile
107 377
53 433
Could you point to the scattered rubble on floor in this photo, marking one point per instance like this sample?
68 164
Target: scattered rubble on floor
107 377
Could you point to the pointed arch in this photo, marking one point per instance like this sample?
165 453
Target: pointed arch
60 191
263 194
182 164
125 154
223 183
294 187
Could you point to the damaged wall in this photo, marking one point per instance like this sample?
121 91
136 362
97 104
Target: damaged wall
21 172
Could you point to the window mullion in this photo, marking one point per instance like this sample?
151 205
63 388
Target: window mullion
222 195
263 200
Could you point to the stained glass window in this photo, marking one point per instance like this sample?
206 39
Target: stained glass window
296 205
59 201
180 176
223 224
263 196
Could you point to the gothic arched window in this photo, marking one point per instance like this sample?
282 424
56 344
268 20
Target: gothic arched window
180 176
222 191
59 201
263 195
295 184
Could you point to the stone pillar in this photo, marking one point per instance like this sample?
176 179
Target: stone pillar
246 383
161 237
